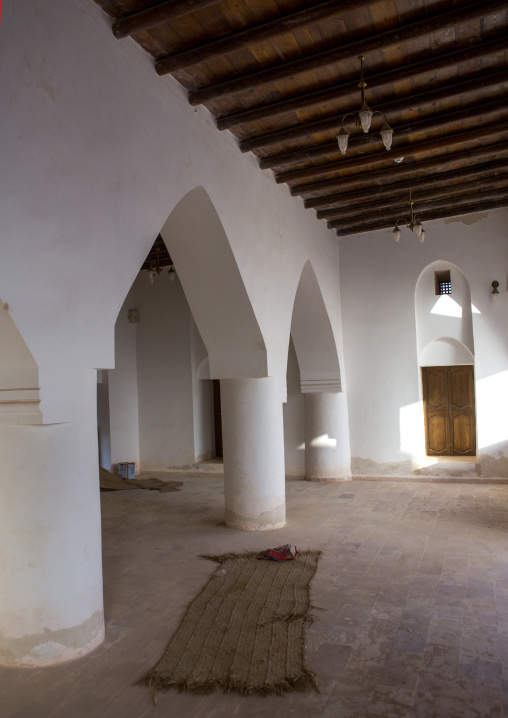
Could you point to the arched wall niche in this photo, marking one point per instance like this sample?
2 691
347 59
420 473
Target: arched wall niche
444 325
445 352
313 337
19 376
215 291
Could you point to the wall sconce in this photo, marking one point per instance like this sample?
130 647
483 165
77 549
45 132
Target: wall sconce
495 292
133 316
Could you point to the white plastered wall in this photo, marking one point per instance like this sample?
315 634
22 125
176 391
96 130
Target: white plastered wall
378 281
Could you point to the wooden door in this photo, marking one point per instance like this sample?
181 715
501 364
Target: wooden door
217 418
449 405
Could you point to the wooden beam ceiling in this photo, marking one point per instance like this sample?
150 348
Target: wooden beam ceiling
280 75
265 31
335 93
377 41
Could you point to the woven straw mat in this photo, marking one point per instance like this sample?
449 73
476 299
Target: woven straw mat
245 631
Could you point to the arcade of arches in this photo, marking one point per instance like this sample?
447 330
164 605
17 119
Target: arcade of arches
318 344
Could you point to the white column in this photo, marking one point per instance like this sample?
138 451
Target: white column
51 606
253 442
327 453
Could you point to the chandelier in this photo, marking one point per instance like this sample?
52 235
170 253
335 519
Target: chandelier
363 119
158 258
413 223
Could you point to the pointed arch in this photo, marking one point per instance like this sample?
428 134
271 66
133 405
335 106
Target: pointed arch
19 375
313 337
214 288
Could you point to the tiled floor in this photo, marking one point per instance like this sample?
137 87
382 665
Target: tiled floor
413 587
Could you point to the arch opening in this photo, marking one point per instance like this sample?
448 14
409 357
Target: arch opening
313 337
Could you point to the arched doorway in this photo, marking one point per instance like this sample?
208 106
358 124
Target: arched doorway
445 347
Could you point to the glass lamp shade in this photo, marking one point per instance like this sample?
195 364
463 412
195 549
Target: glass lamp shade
171 272
396 233
422 236
418 228
151 276
342 139
387 135
365 118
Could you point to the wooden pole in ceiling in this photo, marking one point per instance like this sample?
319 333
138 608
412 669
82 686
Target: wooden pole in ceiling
401 134
456 160
444 180
482 206
401 211
442 145
337 92
448 195
144 19
265 31
419 100
422 28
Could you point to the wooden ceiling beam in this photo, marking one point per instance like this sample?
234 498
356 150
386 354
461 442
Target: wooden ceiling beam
485 170
377 41
407 72
400 134
448 194
157 14
409 152
258 33
481 206
457 160
401 211
417 101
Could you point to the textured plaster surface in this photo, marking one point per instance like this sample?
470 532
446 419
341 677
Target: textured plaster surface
485 467
328 479
490 466
368 466
50 646
266 521
412 589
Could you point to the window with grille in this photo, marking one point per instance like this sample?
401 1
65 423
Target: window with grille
442 282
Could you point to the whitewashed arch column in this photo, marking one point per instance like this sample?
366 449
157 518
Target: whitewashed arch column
327 452
252 428
50 571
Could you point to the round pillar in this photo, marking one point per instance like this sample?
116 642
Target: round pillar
253 443
51 606
327 453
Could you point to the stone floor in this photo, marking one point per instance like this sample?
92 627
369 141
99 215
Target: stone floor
413 585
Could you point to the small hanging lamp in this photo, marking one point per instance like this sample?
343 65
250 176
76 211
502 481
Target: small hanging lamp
363 119
413 224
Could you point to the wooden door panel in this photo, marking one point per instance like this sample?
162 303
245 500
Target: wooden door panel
461 387
437 390
438 439
463 434
449 406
